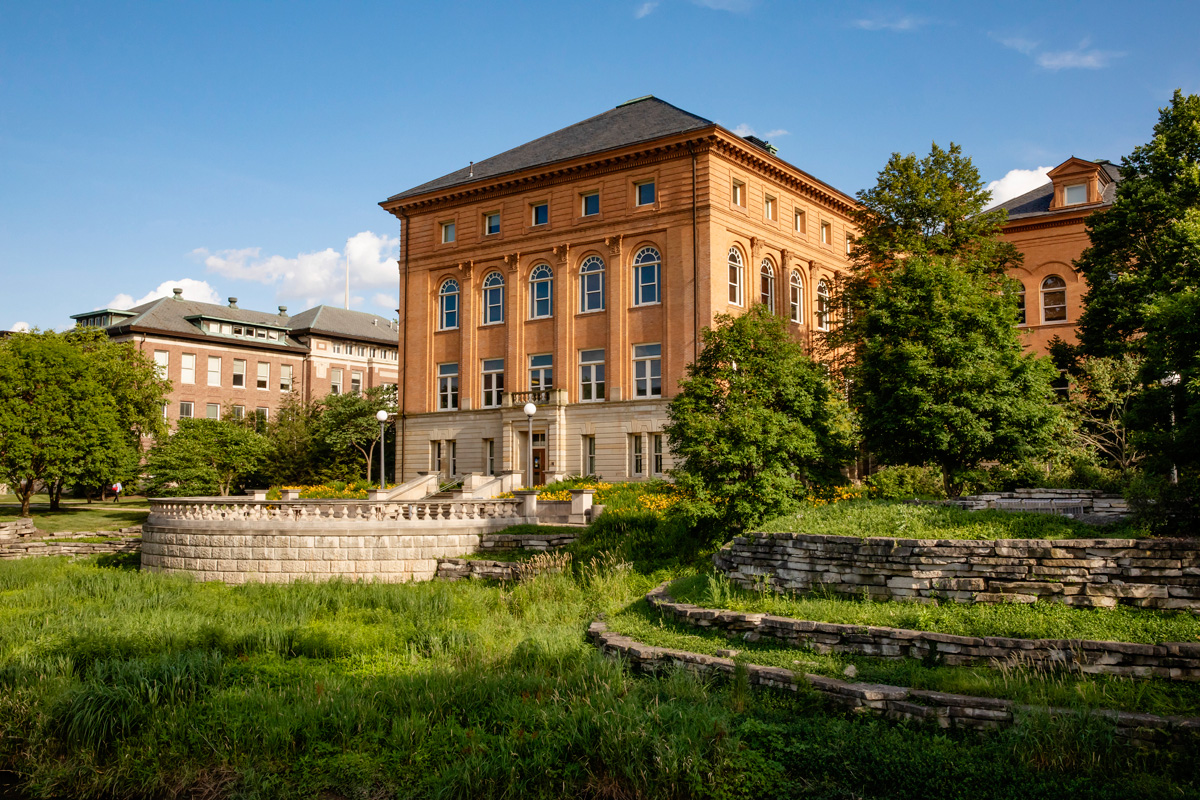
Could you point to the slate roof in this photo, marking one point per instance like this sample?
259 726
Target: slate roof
640 120
1036 203
335 321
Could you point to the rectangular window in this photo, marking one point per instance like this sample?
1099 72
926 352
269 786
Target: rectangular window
489 456
591 376
372 352
738 195
645 193
591 204
801 222
362 351
493 382
239 412
1075 195
448 387
637 457
185 410
164 412
656 453
261 414
589 455
160 363
264 375
212 410
647 370
226 328
187 368
541 372
214 370
355 382
826 233
452 456
335 381
239 373
285 378
491 224
435 456
769 207
337 347
447 232
541 213
849 243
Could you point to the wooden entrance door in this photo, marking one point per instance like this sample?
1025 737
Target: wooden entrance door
539 466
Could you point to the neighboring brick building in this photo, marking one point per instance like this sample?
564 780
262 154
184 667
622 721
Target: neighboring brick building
1047 226
577 269
225 359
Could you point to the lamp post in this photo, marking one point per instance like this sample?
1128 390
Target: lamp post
382 416
530 409
1170 382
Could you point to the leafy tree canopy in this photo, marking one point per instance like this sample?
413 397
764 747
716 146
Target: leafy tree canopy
348 422
206 457
754 423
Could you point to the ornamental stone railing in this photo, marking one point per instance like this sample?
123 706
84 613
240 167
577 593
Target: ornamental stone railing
167 510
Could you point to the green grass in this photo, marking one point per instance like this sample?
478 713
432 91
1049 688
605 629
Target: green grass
869 518
78 515
117 683
85 540
1040 620
1019 684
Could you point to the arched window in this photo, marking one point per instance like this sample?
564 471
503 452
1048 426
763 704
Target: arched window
448 305
541 292
493 298
797 297
766 280
822 306
647 277
1054 299
591 284
1021 305
735 276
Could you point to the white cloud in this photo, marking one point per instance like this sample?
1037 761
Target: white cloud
196 290
386 301
644 10
736 6
745 130
1082 57
893 24
1016 183
19 327
317 277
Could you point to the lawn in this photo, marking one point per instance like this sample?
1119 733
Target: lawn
868 518
116 683
78 515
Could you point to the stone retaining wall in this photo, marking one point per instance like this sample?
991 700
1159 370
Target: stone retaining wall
1090 573
892 702
455 569
1088 504
1171 660
539 542
14 529
127 540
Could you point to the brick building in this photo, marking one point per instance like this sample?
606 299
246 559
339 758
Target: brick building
1047 226
576 271
225 359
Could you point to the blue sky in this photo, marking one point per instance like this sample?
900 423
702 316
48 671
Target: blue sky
241 148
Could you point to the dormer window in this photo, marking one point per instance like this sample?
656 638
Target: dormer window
1075 194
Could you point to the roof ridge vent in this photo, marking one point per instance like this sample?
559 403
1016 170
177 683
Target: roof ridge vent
233 302
178 292
283 311
635 100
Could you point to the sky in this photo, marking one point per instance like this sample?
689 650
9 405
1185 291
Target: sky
242 148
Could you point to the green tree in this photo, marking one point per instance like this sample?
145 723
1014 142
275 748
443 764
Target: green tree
1143 276
1104 390
205 457
297 455
348 423
755 423
935 370
66 413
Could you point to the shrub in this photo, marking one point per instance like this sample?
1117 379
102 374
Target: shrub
900 482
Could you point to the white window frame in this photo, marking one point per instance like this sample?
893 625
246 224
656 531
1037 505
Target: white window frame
823 305
541 278
187 368
448 232
214 375
637 193
286 373
796 286
591 268
737 195
647 262
591 376
637 455
1021 310
647 368
541 372
583 198
769 205
737 281
188 407
162 361
263 375
1067 201
589 454
493 298
826 233
487 223
212 410
766 281
356 382
448 305
656 454
448 386
239 373
533 209
335 380
1059 288
800 221
492 370
489 456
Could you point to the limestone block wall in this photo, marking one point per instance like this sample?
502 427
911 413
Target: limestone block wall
1170 660
1152 573
22 526
508 542
236 541
1090 504
126 540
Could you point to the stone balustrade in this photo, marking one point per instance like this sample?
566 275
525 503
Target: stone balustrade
166 510
1089 573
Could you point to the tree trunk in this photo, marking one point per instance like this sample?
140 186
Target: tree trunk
56 494
25 493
